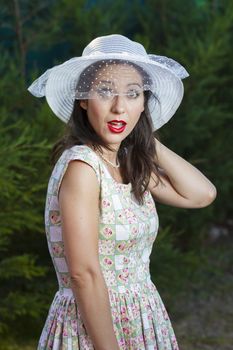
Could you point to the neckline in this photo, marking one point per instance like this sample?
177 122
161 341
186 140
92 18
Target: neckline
108 172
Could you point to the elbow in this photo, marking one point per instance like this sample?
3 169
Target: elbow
209 198
84 278
213 193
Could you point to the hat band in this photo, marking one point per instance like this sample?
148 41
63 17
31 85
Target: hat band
126 54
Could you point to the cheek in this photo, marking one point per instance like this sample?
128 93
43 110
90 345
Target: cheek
139 105
136 112
96 113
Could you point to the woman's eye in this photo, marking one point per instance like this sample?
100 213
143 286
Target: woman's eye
133 93
105 92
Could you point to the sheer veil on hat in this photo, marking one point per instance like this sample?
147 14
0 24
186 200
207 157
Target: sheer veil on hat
60 84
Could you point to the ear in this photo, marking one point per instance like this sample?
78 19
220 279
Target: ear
83 104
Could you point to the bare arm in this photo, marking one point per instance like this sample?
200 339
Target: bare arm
184 185
78 200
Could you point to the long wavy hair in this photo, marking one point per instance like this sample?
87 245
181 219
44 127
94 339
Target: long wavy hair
137 152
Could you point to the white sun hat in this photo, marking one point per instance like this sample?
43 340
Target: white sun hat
164 77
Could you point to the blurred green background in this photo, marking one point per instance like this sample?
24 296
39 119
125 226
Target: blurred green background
192 261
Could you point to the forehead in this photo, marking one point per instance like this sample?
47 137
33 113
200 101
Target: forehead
118 73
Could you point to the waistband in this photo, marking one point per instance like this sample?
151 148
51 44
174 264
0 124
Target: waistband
68 292
136 287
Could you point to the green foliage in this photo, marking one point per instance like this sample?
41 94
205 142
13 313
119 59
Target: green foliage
170 267
13 344
9 267
24 171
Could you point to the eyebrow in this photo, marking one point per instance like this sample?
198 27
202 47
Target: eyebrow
134 84
112 83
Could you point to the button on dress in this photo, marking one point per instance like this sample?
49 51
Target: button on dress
127 232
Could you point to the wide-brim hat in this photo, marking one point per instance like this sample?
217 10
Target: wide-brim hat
59 84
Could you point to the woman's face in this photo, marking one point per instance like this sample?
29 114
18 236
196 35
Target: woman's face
114 116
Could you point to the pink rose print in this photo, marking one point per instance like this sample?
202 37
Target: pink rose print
164 332
85 342
125 319
122 246
132 242
152 334
74 326
123 311
116 318
136 310
130 216
129 213
174 343
57 249
65 333
134 231
66 280
150 204
122 342
120 217
124 316
55 217
126 330
124 275
107 232
150 317
106 203
71 310
108 261
50 344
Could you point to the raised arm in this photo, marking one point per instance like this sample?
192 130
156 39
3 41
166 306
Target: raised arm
78 200
184 185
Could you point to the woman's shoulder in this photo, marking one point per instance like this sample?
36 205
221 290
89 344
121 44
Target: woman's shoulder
79 152
82 153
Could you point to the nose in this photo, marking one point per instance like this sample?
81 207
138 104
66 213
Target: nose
118 105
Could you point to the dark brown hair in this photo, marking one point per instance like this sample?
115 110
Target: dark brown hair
137 152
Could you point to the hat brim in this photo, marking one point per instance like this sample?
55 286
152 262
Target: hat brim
62 81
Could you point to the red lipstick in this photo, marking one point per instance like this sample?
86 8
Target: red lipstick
117 126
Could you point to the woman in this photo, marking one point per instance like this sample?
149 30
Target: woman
100 216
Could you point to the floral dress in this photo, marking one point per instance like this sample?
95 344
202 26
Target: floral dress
127 231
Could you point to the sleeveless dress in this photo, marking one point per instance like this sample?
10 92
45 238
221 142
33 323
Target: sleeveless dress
127 231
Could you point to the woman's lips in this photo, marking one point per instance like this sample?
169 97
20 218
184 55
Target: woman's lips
116 126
